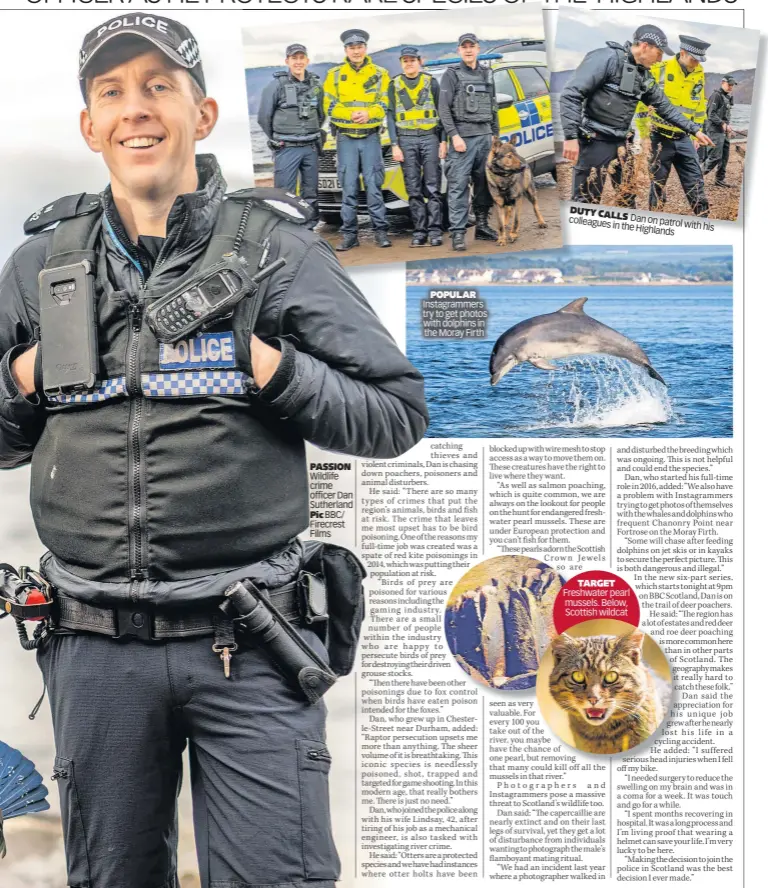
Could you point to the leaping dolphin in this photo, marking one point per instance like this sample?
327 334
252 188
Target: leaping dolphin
560 334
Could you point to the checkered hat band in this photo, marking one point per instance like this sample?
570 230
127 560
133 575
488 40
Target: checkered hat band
694 50
193 384
648 38
111 388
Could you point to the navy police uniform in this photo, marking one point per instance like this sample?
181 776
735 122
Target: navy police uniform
291 114
468 108
719 109
169 479
597 107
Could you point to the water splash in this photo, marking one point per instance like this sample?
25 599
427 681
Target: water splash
600 391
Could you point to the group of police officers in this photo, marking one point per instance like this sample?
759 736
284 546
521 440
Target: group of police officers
618 84
427 122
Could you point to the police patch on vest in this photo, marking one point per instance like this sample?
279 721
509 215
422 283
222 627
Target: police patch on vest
208 350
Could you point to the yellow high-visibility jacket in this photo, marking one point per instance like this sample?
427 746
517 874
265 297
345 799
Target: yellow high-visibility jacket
347 90
684 90
419 112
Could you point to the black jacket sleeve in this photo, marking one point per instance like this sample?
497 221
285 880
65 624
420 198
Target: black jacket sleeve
267 106
591 73
391 104
495 129
667 111
436 100
342 382
715 109
21 419
447 91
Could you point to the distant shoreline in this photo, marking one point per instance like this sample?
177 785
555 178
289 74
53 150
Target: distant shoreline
464 284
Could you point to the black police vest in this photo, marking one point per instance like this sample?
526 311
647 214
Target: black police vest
613 103
223 350
298 111
472 101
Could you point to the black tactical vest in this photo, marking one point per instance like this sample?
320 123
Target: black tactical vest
472 101
297 117
612 105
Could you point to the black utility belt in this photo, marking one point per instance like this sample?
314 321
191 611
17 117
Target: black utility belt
149 624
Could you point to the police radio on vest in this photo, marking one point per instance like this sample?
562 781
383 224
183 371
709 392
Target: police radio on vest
149 21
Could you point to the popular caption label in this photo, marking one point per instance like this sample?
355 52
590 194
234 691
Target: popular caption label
454 313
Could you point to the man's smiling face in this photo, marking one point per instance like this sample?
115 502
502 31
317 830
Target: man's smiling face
144 116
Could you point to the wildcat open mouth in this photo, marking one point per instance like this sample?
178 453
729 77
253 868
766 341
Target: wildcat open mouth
595 715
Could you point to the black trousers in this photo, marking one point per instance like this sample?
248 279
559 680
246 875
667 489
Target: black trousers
299 163
598 159
464 168
122 716
717 154
681 155
421 171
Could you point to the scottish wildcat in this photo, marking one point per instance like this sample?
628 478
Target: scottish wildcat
610 695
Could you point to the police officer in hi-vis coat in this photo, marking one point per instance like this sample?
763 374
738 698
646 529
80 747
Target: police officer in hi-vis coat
470 116
291 114
356 105
417 143
682 80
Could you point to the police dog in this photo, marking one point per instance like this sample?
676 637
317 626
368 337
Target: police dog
509 180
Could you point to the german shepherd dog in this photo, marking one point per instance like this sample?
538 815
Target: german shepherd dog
509 179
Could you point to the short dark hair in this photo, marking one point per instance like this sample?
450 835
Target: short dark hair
123 49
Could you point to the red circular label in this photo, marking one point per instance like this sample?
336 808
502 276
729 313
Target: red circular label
595 595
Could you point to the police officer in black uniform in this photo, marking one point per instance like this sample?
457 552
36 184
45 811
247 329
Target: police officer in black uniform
718 128
179 472
291 114
470 116
598 104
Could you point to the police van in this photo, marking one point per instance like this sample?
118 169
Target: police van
521 79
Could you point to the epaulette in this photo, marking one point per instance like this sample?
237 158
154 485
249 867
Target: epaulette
63 208
283 203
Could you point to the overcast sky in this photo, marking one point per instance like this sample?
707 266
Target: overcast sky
578 32
265 47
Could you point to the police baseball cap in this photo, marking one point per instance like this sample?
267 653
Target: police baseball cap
467 38
695 47
355 35
729 79
653 35
410 51
167 35
294 48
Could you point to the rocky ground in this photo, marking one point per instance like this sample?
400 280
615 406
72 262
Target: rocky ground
531 236
724 202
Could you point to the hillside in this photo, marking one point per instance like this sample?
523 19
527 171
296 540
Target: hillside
742 94
257 78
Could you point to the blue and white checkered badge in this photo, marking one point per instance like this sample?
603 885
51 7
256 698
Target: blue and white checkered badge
198 352
193 384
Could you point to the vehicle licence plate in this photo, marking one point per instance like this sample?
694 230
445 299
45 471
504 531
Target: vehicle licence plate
328 183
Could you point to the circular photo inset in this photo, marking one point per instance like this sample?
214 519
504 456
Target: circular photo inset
604 686
498 620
